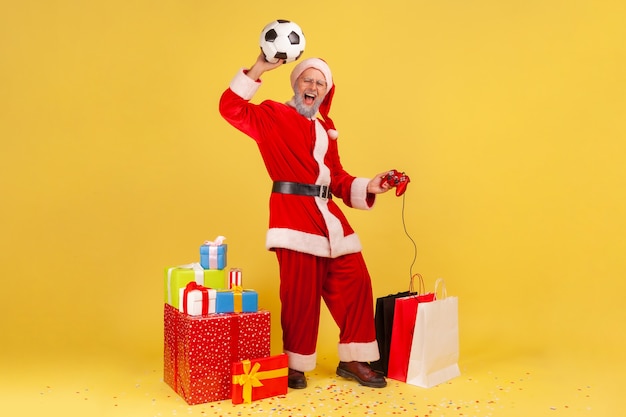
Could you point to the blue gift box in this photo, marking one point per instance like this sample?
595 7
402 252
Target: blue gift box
246 301
213 256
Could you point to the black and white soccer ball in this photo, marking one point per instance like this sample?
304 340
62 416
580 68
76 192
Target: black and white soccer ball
282 39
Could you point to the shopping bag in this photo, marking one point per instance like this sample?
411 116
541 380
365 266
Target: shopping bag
435 346
384 319
406 309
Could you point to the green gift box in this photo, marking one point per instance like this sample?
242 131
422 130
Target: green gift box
178 277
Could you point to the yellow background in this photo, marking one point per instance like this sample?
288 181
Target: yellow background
510 118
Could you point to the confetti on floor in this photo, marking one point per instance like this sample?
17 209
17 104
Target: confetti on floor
509 389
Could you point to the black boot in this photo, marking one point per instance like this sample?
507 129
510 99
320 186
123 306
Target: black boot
362 373
296 379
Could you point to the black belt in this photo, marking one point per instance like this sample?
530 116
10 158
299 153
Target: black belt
314 190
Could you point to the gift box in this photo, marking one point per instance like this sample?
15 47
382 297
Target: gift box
213 256
197 300
236 301
235 278
170 336
259 378
179 276
200 350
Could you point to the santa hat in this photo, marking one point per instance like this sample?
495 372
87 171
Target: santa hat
322 66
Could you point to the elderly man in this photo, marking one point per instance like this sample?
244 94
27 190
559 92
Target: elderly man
318 253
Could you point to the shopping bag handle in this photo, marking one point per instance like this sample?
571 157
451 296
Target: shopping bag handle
444 291
422 287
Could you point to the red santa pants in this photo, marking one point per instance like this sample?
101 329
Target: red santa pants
344 284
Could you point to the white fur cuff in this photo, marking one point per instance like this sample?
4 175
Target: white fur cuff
244 86
358 194
302 363
360 352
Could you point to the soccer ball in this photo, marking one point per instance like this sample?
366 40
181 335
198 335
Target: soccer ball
282 39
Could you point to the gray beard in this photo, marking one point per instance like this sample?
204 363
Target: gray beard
306 111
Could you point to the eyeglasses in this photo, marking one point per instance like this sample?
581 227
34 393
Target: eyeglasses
311 81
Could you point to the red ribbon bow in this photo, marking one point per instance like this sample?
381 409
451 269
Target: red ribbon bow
193 285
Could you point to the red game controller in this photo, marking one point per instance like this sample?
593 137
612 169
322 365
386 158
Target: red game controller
396 179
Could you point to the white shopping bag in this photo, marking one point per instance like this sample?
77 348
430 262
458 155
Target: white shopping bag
435 348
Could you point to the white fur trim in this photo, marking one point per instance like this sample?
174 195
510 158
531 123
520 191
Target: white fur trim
316 245
339 244
333 134
360 352
244 86
295 240
316 63
302 363
358 194
319 153
345 245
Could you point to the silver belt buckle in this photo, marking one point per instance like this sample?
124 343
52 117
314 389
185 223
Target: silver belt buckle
324 192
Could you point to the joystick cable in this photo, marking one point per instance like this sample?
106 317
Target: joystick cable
410 238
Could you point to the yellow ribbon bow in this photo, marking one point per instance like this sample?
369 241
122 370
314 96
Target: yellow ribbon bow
248 380
252 378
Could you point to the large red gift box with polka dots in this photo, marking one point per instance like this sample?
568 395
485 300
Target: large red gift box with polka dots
200 350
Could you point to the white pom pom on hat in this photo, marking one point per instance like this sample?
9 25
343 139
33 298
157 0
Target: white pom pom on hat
322 66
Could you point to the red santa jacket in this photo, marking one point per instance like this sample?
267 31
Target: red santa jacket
295 148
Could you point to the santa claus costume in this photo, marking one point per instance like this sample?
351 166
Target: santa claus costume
318 252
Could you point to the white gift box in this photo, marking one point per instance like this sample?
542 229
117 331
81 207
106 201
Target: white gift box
196 299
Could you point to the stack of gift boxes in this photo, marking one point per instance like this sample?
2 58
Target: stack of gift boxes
217 341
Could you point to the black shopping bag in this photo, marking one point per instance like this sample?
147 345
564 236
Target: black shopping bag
383 318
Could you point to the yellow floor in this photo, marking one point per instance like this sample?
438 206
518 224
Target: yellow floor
529 384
